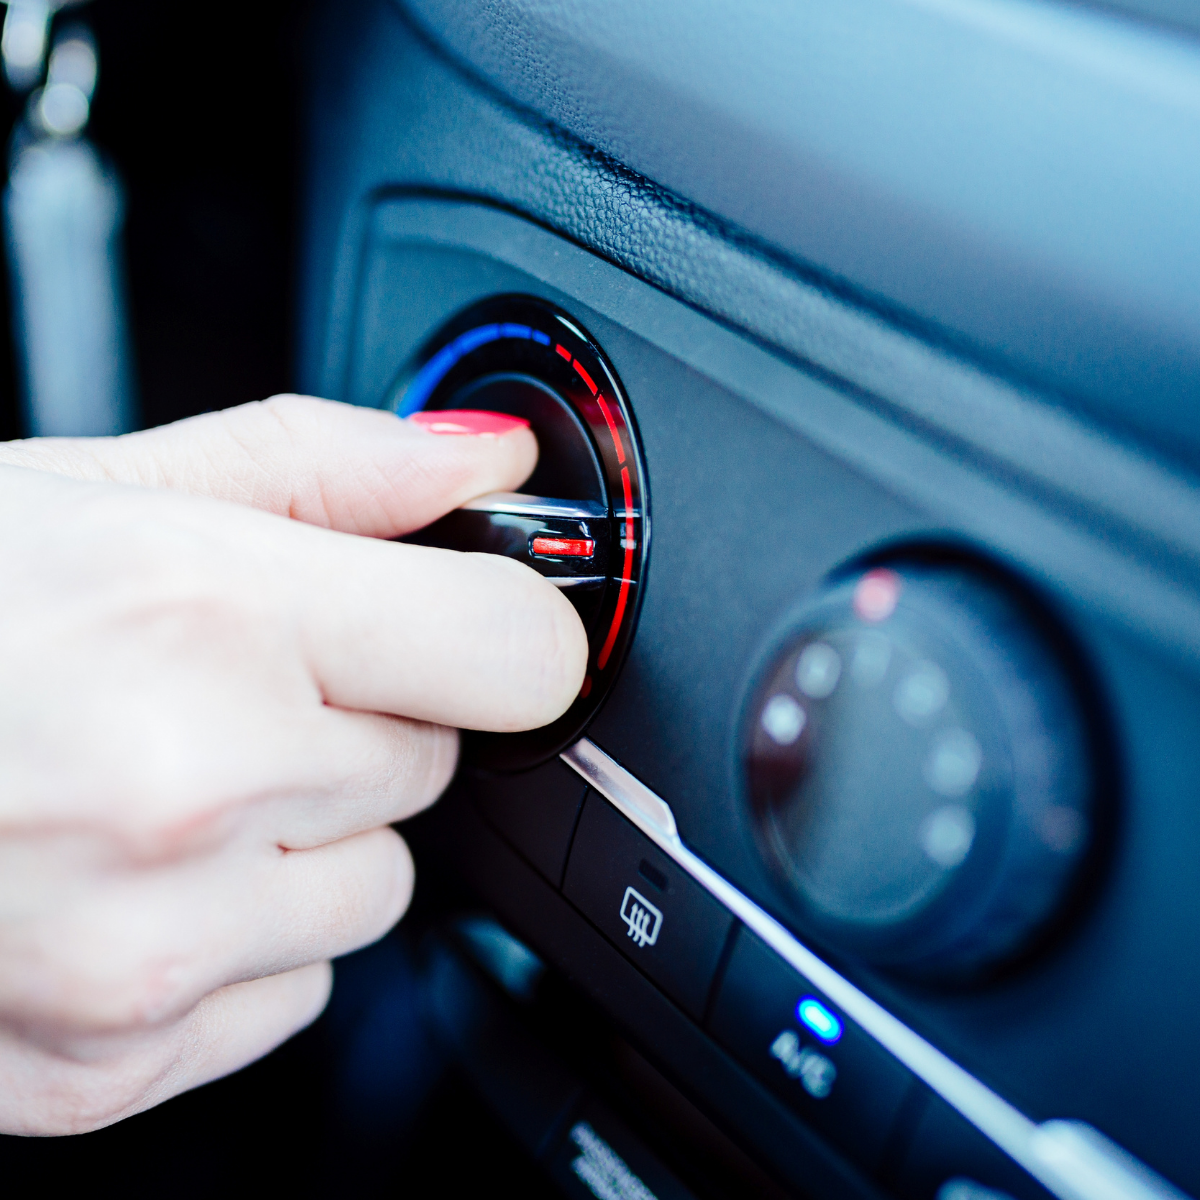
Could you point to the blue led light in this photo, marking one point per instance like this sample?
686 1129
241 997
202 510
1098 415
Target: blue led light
515 331
812 1013
417 394
474 338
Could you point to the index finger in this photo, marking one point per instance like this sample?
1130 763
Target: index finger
358 470
470 640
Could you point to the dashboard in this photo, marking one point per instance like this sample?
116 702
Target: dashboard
861 348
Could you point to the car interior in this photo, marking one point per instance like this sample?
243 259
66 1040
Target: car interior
860 342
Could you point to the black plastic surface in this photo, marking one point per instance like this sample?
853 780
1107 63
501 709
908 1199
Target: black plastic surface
536 811
525 1085
582 1144
660 918
456 838
580 1100
1012 183
600 1155
943 1147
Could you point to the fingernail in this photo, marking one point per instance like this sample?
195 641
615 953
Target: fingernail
472 421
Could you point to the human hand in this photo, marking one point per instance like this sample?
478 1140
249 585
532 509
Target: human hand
209 715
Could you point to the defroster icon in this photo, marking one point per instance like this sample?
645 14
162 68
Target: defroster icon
642 919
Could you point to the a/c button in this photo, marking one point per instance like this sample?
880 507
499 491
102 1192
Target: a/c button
663 921
826 1067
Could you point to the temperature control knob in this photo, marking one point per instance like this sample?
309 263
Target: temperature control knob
919 769
581 520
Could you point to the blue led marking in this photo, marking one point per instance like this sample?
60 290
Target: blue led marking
811 1012
417 394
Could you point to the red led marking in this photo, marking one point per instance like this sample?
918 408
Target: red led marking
587 687
876 595
585 377
564 352
612 426
564 547
623 595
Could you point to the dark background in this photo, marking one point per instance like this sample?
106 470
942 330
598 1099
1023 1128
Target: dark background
197 108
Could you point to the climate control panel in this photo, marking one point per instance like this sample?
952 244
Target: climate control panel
916 761
842 839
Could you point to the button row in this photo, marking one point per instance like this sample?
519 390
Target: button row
822 1064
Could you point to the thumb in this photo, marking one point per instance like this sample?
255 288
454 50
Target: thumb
356 470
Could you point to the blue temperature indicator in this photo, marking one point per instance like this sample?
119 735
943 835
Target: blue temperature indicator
819 1019
438 367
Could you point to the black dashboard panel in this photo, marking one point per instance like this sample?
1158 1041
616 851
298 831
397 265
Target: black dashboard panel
1010 174
789 436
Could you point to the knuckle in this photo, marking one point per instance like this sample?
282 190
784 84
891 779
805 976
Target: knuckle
154 797
99 974
399 879
292 405
103 1000
377 891
305 426
317 980
141 554
299 418
438 755
168 821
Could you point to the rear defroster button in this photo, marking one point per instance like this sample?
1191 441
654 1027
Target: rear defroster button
658 916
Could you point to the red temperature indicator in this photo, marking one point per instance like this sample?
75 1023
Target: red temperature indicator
557 547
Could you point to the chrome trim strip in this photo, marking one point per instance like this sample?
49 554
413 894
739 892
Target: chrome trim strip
1071 1159
629 795
519 505
570 581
